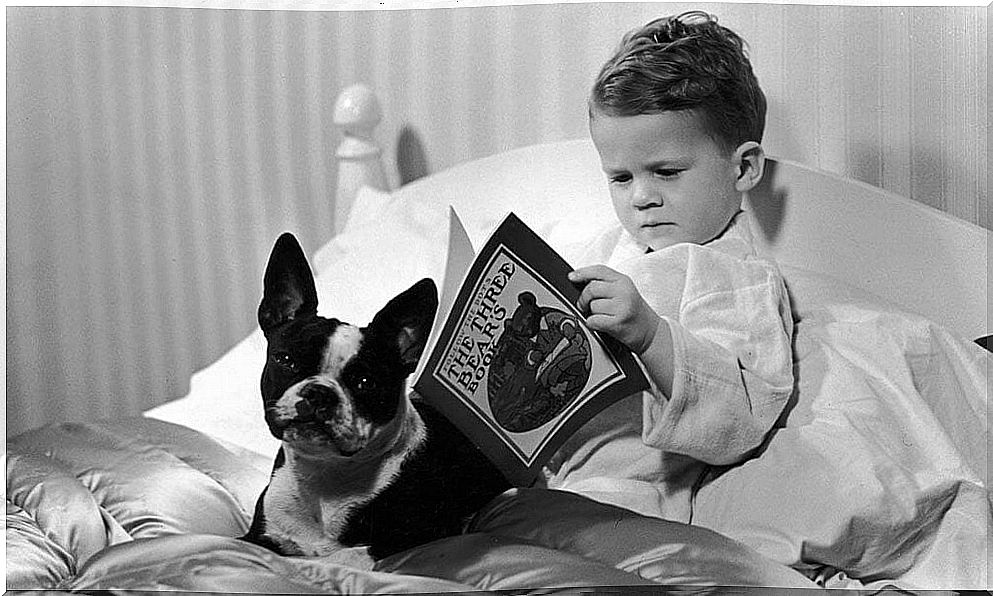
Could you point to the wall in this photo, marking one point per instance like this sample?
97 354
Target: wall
153 154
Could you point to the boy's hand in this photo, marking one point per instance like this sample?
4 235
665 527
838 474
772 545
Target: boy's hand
615 307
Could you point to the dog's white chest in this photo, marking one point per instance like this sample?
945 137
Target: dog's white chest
308 506
298 515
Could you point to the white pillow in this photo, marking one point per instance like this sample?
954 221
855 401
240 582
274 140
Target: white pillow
369 202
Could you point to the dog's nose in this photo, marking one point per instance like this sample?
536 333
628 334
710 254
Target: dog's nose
317 402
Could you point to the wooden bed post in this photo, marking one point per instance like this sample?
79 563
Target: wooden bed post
356 113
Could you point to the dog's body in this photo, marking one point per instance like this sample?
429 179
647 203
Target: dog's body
361 464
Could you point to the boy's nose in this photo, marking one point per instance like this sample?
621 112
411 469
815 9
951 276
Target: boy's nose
645 194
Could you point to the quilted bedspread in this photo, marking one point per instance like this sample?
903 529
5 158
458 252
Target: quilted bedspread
141 504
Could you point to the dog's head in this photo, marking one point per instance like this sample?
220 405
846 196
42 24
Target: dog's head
331 388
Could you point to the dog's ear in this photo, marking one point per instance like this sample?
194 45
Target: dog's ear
289 290
407 320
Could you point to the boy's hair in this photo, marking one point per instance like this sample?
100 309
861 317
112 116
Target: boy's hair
684 62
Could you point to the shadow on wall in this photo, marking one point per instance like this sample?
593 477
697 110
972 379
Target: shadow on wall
411 157
767 203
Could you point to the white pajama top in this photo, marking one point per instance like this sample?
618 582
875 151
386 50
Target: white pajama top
729 316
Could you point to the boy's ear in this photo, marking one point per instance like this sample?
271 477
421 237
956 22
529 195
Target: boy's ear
749 158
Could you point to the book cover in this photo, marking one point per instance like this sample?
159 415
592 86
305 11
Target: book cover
510 359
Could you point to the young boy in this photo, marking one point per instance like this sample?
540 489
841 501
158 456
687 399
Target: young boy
677 117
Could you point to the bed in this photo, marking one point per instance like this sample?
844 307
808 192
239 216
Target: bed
876 478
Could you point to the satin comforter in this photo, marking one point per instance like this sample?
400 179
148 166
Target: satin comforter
142 504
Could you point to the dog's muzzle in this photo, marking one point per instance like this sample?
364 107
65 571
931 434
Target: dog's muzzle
318 414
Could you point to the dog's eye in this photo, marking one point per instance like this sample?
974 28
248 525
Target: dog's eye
365 383
285 360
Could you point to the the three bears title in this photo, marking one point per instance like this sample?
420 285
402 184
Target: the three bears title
472 352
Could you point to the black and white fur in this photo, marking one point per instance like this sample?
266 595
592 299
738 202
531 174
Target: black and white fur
361 464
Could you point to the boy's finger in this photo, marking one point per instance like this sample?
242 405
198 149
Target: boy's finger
597 288
602 306
599 322
591 291
592 272
583 302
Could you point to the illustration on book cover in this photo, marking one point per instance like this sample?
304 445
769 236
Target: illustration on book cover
540 363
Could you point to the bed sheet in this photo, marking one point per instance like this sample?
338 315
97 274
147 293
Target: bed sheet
875 475
142 504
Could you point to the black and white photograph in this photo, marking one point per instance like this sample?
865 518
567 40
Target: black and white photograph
227 223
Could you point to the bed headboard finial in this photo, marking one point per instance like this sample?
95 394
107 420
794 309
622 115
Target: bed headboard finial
357 112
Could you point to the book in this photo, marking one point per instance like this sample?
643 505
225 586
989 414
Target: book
509 359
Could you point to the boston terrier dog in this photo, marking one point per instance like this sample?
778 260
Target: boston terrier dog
361 464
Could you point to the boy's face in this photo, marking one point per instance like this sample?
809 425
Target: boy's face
670 182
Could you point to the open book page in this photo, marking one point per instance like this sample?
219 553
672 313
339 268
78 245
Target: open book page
460 256
510 360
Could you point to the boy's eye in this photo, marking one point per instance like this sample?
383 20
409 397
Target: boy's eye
619 178
667 172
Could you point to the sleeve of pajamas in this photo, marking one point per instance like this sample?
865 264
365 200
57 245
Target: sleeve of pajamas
732 359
